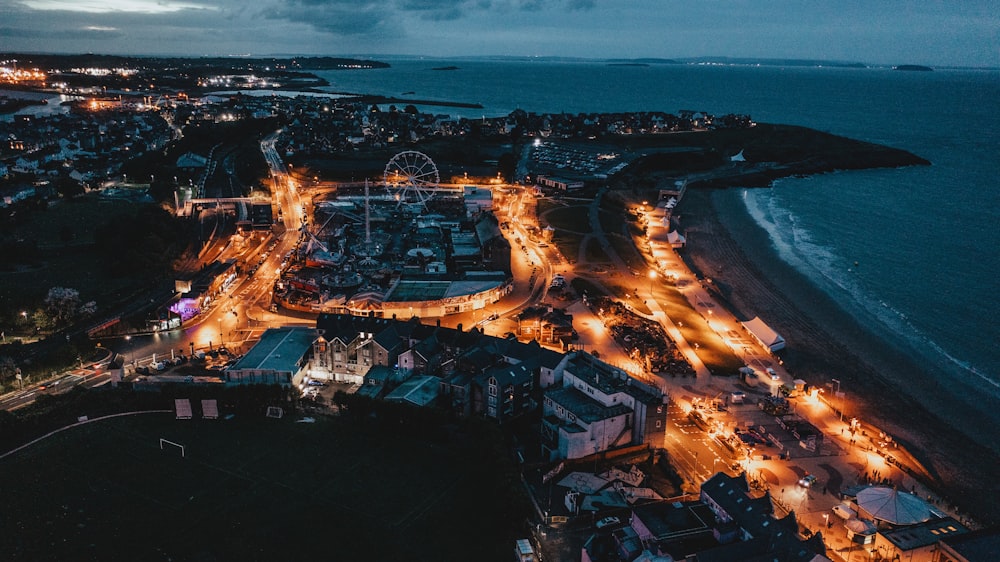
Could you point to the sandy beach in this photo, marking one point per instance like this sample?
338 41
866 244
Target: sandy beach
945 427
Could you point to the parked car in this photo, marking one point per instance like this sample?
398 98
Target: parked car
773 374
607 522
314 382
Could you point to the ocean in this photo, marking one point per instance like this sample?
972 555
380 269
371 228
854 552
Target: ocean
912 253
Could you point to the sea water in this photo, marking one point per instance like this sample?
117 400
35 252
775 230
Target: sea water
913 253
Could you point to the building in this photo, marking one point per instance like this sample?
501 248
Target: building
597 408
560 184
350 345
545 324
477 199
976 546
279 358
919 542
746 527
508 390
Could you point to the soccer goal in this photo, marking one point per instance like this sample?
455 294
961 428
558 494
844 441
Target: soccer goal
275 412
166 442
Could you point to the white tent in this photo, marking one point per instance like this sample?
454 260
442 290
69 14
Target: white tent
892 506
764 334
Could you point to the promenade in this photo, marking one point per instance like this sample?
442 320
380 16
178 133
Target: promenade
846 457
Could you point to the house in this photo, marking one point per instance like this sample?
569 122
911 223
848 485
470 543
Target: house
507 390
351 345
545 324
746 527
378 381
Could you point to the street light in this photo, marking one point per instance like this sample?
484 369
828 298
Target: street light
836 393
130 349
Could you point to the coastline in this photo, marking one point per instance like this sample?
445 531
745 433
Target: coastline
884 385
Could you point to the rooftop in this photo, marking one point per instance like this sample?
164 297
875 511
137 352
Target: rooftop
279 349
924 534
584 407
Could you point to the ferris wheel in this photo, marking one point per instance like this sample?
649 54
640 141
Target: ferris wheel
411 177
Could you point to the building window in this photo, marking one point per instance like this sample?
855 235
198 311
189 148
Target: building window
492 401
659 423
493 390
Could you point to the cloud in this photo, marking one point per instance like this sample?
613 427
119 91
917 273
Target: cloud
83 33
340 18
353 17
105 6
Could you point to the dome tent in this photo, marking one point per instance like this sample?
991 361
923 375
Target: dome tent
892 506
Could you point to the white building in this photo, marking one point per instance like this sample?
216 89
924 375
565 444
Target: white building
598 408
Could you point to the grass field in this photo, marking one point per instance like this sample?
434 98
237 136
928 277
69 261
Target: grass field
248 489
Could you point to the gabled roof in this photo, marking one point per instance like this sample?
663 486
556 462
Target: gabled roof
506 375
388 338
419 390
347 327
428 347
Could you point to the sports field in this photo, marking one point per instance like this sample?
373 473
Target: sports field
247 489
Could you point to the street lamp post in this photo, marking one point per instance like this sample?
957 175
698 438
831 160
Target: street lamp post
836 393
131 350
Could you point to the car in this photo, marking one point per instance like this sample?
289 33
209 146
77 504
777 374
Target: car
807 481
607 522
774 375
313 382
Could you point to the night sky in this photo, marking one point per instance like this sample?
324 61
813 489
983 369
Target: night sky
934 33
